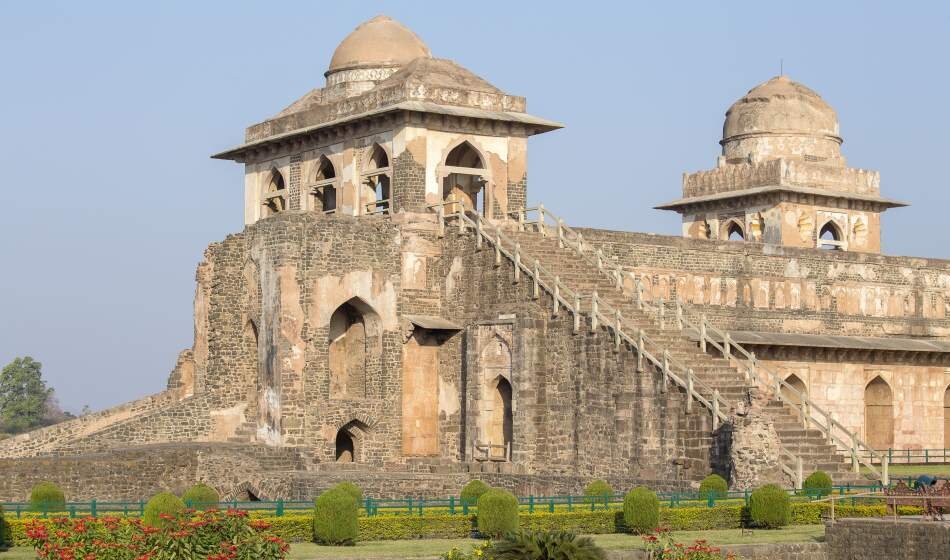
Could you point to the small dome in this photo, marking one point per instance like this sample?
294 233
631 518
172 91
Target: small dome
781 118
379 42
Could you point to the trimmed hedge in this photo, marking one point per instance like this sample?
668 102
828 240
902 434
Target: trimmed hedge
352 490
472 491
161 503
598 488
200 495
818 484
497 513
641 510
46 496
714 485
769 507
403 527
335 518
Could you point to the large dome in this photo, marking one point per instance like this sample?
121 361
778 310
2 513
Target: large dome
379 42
781 118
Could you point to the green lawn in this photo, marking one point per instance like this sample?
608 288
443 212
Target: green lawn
901 471
433 547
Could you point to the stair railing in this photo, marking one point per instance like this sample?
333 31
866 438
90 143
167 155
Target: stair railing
599 311
810 413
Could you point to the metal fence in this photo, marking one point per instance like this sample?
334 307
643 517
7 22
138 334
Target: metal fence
422 506
915 456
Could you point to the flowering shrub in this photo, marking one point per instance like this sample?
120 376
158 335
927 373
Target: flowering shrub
478 552
209 535
662 546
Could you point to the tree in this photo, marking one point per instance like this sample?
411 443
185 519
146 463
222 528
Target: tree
23 395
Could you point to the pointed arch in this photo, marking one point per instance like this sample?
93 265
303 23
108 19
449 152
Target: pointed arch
353 346
500 426
376 179
732 230
830 236
325 185
275 193
797 385
879 414
348 443
465 154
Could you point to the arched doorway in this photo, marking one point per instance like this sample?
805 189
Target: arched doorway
500 420
464 179
345 447
879 414
798 385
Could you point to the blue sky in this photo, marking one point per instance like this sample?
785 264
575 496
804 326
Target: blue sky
109 110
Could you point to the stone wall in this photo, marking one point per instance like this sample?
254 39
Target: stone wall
857 539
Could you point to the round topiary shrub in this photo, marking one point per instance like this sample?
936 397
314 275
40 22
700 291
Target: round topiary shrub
818 484
472 491
641 510
46 496
163 503
201 496
713 485
598 488
769 507
335 518
352 490
497 513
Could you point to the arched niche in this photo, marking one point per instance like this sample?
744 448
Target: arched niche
353 339
500 427
879 414
798 385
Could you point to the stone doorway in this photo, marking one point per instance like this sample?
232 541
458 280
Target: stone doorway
879 414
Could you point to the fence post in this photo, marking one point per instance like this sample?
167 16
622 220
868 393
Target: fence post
541 220
618 321
715 407
570 503
593 311
804 411
478 234
521 219
517 262
885 479
92 508
799 473
531 504
854 455
577 312
464 507
666 370
640 350
580 243
409 501
702 332
600 259
639 288
689 390
560 233
537 282
141 508
679 314
726 350
557 293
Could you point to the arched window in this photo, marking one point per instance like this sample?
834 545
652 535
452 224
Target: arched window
734 231
275 195
500 422
879 414
829 237
464 179
376 181
946 419
798 385
324 186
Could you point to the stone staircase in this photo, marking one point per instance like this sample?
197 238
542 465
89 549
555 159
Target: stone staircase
711 373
